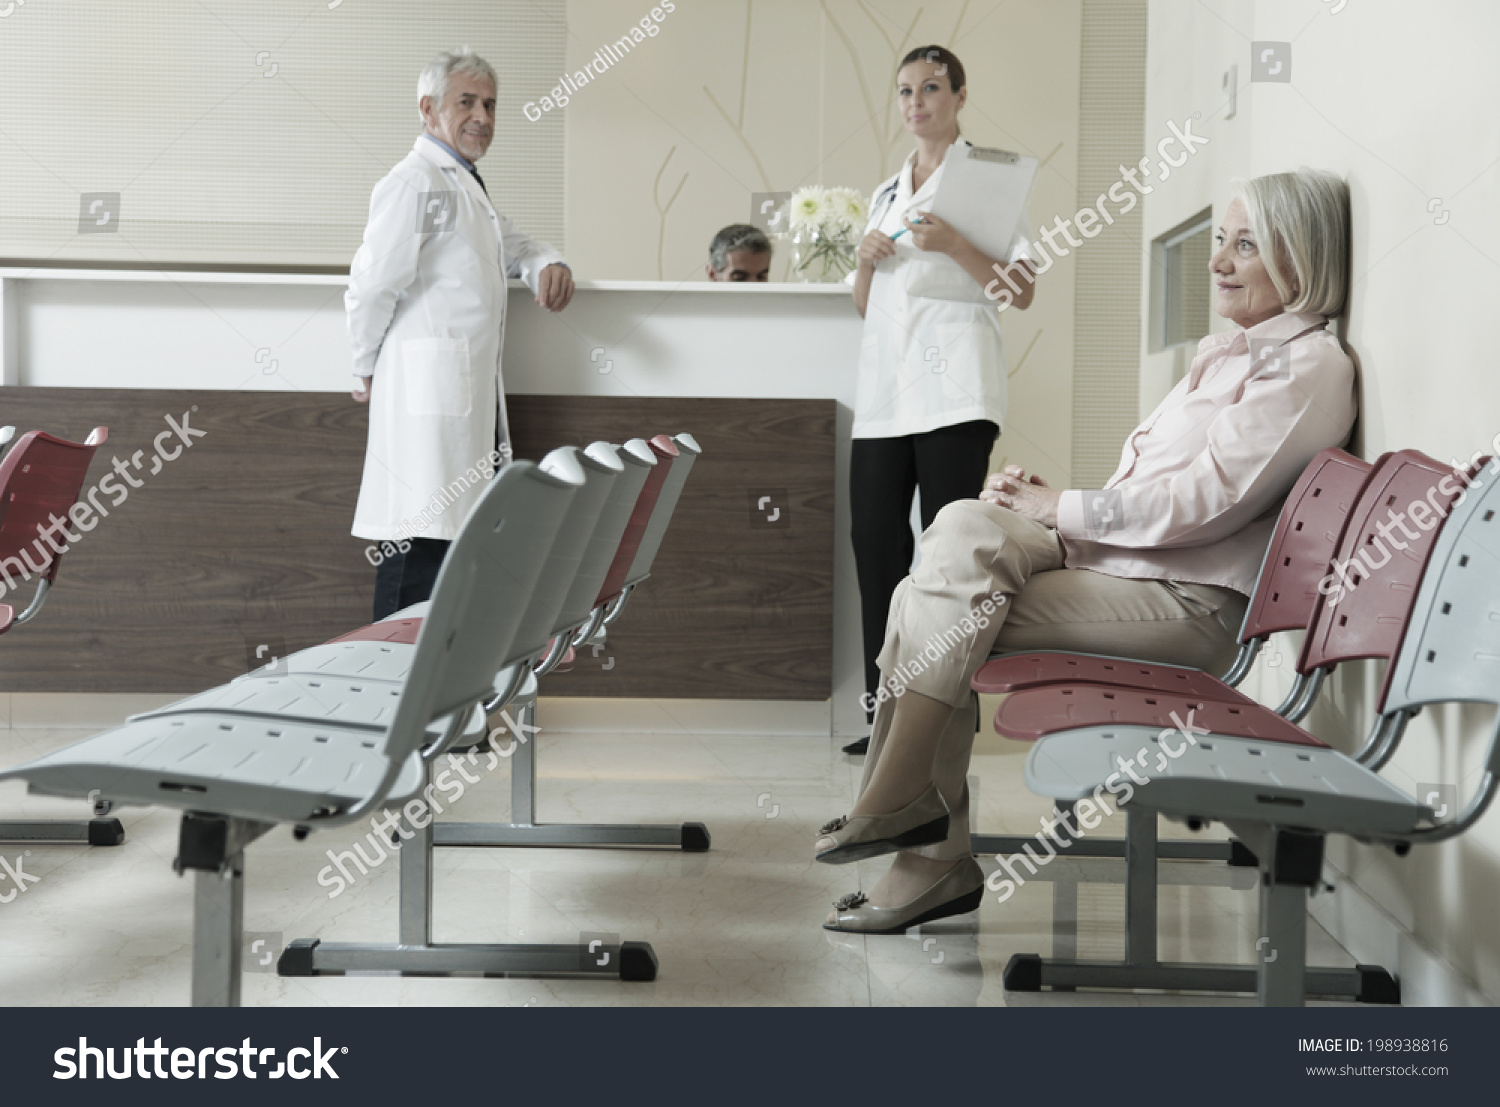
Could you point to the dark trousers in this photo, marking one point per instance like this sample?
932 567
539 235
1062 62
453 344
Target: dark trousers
946 464
407 578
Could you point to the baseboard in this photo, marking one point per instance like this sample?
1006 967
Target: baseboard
1374 937
579 714
90 710
558 714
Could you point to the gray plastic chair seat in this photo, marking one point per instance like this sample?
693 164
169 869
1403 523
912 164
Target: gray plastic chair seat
1226 779
249 768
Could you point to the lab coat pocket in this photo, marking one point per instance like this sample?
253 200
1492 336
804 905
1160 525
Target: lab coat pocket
438 381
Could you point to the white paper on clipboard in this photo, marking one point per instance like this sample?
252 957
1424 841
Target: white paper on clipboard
984 193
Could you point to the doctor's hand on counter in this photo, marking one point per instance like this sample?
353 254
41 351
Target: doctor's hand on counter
362 393
555 287
1028 496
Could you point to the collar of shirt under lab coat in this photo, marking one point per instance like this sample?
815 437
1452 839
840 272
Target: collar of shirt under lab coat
439 153
911 201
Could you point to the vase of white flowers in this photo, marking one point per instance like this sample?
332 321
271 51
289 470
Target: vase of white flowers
825 228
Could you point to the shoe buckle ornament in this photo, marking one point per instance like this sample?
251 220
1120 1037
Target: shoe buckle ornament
852 900
834 825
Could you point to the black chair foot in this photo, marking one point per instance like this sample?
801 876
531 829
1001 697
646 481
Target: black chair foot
1023 973
637 961
695 838
1240 856
1377 986
106 832
297 958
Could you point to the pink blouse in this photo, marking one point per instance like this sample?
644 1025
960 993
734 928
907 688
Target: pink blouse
1202 480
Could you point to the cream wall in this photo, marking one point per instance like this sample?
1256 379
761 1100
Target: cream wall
740 96
1400 98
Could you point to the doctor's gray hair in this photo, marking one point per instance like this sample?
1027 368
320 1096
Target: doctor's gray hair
434 79
1302 222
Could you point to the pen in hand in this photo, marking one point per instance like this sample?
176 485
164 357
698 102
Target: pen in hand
903 230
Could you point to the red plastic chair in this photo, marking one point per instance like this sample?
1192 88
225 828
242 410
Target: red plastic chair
1313 518
40 481
1365 624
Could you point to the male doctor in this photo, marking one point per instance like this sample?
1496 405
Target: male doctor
426 308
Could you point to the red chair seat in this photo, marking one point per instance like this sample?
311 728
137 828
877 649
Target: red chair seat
1033 713
390 630
1034 670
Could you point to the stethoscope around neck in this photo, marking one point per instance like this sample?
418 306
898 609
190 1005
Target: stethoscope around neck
886 197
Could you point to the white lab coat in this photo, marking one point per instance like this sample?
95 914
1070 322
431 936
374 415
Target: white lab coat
426 312
932 354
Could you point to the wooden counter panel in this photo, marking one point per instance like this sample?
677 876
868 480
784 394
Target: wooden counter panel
243 542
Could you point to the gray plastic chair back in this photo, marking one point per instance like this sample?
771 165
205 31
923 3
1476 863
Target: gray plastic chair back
540 622
666 506
638 461
483 592
1451 650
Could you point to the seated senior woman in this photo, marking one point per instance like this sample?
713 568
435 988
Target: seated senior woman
1156 566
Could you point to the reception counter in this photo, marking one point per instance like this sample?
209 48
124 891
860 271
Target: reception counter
771 349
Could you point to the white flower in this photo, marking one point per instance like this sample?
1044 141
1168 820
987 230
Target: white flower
848 206
808 208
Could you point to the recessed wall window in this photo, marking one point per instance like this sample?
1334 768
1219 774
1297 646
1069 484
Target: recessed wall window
1181 284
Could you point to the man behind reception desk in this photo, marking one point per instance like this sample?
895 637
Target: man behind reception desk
426 309
739 252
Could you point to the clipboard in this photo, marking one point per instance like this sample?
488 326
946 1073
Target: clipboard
984 193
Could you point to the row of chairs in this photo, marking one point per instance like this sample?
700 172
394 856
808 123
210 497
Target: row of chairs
332 735
1424 602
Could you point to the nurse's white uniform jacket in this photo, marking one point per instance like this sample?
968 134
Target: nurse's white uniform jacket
426 310
931 353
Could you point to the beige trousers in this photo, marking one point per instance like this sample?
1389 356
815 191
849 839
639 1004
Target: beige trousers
992 581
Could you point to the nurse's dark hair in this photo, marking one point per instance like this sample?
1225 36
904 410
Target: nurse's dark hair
942 56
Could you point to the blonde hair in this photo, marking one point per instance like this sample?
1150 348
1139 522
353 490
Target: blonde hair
1302 222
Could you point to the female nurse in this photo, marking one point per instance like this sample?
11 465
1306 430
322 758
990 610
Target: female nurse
932 381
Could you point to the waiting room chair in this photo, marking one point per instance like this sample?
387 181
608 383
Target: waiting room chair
1307 531
40 480
322 752
1365 623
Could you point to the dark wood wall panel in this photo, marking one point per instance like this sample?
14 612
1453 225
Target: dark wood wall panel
737 607
244 541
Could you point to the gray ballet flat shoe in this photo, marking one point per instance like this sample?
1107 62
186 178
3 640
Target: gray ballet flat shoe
920 823
957 892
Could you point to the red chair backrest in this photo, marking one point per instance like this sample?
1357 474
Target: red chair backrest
1375 575
1305 538
614 581
40 479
